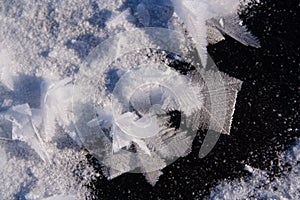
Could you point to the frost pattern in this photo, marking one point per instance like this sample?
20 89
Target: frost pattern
232 26
123 113
43 43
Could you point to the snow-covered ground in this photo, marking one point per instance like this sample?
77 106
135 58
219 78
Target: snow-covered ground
38 48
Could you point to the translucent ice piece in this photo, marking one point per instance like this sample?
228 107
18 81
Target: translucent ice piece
56 102
24 130
208 20
142 14
193 14
147 126
231 25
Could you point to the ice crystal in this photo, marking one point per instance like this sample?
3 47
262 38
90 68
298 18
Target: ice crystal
122 109
122 116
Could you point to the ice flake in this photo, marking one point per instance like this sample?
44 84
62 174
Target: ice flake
35 126
24 130
209 20
55 105
143 127
193 14
152 177
231 25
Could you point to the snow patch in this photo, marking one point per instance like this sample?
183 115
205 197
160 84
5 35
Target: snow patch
261 186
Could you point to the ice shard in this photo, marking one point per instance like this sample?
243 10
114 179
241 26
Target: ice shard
207 21
55 106
37 126
24 130
232 25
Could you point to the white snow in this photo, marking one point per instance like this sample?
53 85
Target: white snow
6 62
260 186
61 197
249 168
3 158
37 160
